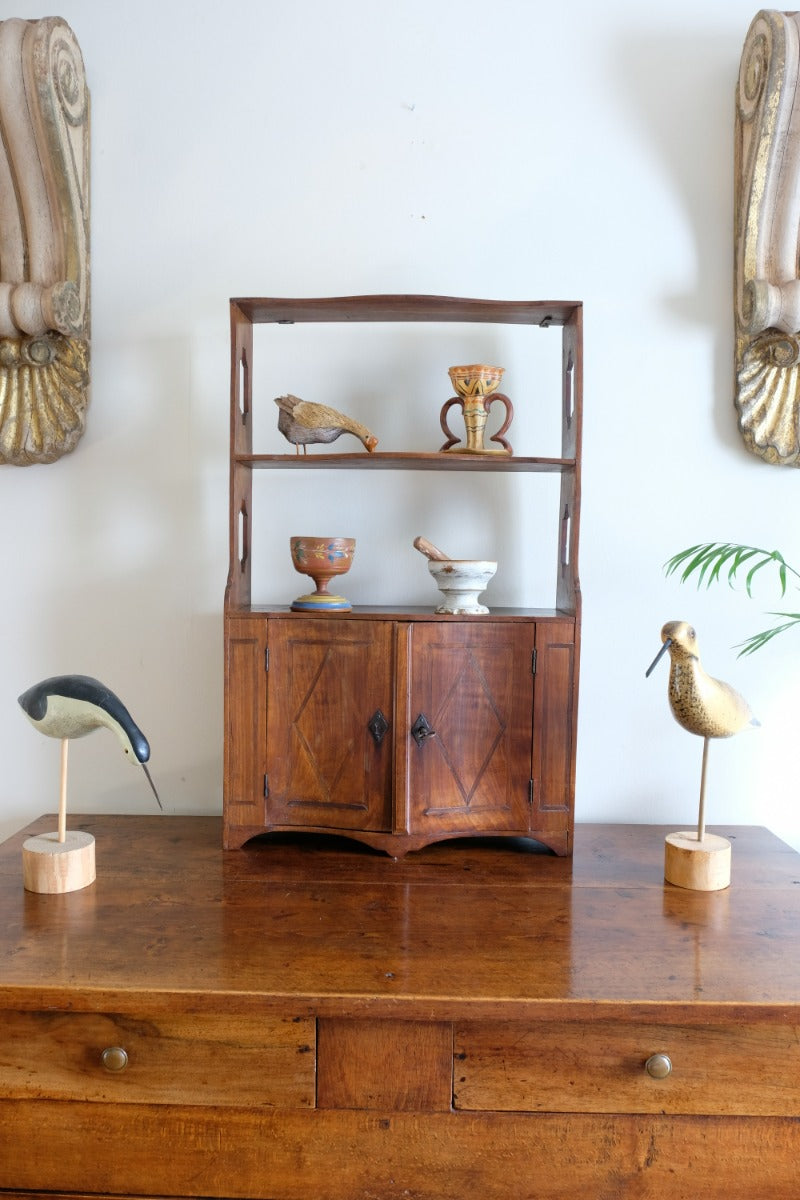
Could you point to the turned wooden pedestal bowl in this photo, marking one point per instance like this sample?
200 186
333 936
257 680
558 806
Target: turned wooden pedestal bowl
322 558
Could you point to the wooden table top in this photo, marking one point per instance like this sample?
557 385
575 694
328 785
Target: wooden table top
324 926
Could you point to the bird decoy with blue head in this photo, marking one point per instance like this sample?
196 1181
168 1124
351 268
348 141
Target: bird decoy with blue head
72 706
303 423
702 705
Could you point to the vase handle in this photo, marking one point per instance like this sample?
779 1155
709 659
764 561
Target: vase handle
446 430
498 437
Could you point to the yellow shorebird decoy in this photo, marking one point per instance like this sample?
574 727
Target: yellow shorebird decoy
702 705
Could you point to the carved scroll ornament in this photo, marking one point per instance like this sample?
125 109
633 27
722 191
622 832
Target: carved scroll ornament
767 223
44 241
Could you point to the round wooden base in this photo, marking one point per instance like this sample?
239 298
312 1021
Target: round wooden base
321 602
702 866
49 865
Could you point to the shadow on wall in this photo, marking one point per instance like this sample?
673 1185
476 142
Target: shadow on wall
120 600
679 89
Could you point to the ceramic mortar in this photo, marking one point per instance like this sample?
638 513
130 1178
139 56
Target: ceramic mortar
461 582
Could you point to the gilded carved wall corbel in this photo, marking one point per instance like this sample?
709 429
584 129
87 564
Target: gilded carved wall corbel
44 241
767 228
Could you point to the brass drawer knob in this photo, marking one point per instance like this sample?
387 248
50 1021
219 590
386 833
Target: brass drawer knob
658 1066
114 1058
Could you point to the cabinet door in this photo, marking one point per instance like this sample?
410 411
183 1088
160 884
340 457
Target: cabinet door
472 683
327 680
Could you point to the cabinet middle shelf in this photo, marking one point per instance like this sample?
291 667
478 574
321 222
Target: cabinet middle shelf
389 461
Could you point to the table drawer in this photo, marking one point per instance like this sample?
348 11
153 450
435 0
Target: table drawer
602 1067
200 1059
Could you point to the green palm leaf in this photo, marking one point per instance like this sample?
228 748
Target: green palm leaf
751 644
704 563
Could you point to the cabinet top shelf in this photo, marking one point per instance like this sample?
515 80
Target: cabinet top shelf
286 311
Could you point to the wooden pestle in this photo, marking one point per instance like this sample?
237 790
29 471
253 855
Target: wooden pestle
430 551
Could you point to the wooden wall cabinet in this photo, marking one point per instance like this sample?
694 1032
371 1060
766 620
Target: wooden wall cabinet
401 727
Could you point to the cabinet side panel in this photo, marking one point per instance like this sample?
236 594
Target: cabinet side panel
245 724
554 725
568 585
241 443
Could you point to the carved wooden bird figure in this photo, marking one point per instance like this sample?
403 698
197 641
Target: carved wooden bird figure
303 423
71 706
700 704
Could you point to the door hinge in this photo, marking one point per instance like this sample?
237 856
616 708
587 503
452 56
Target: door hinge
266 659
266 787
533 662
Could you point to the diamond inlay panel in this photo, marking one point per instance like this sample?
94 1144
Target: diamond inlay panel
469 760
329 759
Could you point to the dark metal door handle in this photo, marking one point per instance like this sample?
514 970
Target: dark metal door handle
421 730
378 726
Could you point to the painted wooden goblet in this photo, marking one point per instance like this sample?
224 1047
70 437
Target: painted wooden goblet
322 558
476 390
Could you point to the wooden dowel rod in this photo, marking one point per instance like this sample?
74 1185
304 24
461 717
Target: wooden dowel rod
701 816
62 797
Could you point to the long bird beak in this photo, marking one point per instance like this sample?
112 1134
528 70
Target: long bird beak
152 785
662 651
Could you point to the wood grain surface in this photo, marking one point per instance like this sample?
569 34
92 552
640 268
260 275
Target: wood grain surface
458 929
305 1019
392 1156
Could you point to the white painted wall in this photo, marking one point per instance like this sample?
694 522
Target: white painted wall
512 150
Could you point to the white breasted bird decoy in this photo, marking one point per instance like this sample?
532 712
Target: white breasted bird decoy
708 708
67 707
72 706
